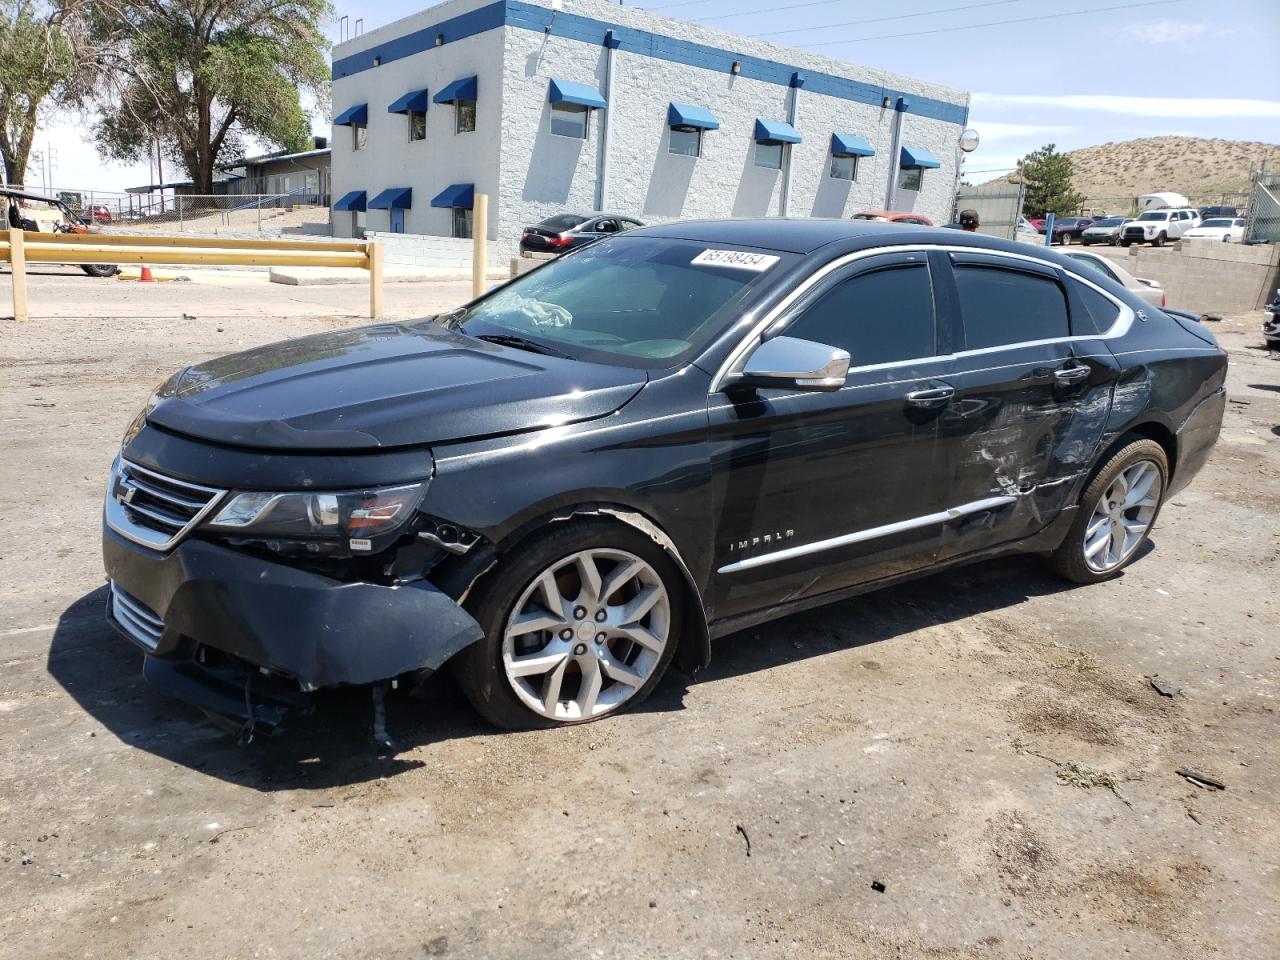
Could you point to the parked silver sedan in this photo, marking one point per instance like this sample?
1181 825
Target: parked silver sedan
1106 230
1148 290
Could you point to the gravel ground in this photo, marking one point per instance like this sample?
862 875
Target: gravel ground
971 765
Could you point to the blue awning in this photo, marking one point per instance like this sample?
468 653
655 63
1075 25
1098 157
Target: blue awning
351 201
564 91
685 115
393 198
458 195
415 100
464 89
357 114
847 145
918 157
775 131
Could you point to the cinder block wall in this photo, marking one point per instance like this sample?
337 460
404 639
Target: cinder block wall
428 253
1208 276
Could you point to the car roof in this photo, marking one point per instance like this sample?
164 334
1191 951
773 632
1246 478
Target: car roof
793 235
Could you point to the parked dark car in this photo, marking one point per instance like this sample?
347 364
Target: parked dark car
1271 323
568 230
1068 230
1207 212
669 436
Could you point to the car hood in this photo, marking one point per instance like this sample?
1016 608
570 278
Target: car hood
391 385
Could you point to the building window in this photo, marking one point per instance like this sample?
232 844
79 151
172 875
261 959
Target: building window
844 167
462 223
464 112
910 178
769 155
686 141
569 120
417 125
357 224
359 136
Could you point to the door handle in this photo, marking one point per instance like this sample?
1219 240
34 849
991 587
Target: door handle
931 396
1072 374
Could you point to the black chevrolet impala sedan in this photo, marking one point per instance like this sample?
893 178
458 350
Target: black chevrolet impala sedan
664 437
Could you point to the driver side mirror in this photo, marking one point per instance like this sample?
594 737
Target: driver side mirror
794 364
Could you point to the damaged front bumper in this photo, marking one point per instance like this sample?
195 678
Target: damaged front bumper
236 634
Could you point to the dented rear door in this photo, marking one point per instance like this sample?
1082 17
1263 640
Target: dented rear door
1030 404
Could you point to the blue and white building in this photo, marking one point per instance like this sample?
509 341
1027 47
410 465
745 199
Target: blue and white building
554 106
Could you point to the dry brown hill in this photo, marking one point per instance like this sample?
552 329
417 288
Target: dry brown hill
1195 167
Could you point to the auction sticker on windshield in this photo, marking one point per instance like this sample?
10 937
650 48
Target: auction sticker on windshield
737 259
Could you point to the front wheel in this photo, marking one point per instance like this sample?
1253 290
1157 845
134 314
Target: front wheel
1117 512
1159 240
100 269
1066 239
580 624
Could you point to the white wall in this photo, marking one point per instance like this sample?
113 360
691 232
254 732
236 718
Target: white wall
530 174
443 158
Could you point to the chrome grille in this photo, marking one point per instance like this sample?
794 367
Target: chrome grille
153 509
135 618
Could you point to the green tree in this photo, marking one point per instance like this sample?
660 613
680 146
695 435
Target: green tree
197 76
1046 175
46 57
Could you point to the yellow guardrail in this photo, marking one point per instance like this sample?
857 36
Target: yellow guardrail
20 247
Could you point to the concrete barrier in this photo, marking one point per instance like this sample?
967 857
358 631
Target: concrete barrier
1206 276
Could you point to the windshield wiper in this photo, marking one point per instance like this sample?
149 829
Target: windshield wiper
522 343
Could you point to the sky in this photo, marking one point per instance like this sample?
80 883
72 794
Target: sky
1107 70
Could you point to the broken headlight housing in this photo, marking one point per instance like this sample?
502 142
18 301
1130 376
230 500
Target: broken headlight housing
354 520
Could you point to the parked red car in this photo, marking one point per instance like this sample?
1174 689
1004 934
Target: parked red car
894 216
98 214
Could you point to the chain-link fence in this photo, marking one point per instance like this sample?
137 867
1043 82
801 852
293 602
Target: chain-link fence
1130 206
298 212
1263 215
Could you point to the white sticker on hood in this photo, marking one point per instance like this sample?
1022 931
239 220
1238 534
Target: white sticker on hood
735 259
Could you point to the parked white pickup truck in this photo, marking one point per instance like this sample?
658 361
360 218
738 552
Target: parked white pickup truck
1157 226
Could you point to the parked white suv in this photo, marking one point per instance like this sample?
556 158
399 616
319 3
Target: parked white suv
1157 226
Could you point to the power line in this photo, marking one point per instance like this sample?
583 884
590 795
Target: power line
670 6
746 13
992 23
897 16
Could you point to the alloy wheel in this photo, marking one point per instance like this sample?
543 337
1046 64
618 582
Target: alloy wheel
586 634
1122 516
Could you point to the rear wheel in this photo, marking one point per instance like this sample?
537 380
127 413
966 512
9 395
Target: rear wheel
1117 512
100 269
582 624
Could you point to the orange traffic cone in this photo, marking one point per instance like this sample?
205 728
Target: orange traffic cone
145 276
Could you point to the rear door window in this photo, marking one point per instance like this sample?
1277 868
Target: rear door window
1001 306
883 316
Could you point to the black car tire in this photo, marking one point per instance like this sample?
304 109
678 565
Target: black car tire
1068 560
100 269
1124 243
1159 240
479 670
1066 239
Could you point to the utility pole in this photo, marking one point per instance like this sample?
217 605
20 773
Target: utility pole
160 174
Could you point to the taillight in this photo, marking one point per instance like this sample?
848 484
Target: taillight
558 241
1163 299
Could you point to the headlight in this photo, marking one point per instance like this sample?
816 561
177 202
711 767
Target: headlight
353 518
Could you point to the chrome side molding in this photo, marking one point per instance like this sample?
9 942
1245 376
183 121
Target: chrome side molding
874 533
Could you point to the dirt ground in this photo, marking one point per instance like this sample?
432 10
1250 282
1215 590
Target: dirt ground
972 765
